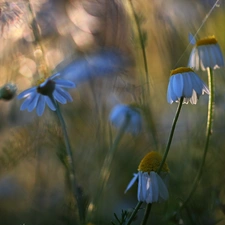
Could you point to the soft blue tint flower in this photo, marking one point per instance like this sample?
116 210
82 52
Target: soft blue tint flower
99 64
184 82
151 187
131 115
206 53
47 92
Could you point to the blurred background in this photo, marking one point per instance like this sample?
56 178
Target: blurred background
100 38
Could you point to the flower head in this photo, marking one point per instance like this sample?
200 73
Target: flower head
206 53
48 91
131 115
151 187
8 91
184 82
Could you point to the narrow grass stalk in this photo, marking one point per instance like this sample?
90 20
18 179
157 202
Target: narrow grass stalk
171 134
141 39
105 171
211 104
37 33
134 213
71 171
147 213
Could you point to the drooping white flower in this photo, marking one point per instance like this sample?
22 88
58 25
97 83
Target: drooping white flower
151 187
206 54
131 115
184 82
46 92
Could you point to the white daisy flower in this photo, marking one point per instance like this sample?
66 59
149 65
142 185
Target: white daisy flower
47 91
206 53
184 82
151 187
120 113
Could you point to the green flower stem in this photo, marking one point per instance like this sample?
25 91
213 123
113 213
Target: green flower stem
171 134
134 213
147 213
141 41
105 171
148 208
71 170
208 134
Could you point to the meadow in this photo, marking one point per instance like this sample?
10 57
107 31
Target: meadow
71 161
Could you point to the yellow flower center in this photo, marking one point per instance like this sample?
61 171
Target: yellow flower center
181 70
207 41
151 162
39 81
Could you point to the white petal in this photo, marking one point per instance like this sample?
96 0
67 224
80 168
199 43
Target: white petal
163 191
188 89
133 180
178 85
40 105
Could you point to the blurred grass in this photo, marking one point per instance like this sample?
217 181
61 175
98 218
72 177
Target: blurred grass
33 188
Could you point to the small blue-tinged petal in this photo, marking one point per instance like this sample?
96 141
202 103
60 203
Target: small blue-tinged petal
41 105
50 103
64 93
64 83
59 97
33 102
26 93
132 182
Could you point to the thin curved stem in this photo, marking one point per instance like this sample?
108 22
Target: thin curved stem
37 33
171 134
137 207
147 213
139 34
105 171
71 170
211 104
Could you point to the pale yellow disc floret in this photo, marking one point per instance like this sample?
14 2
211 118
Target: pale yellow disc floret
180 70
207 41
151 162
39 81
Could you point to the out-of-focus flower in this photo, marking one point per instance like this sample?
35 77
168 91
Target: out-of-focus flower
184 82
131 115
8 91
101 63
10 15
151 187
48 91
206 53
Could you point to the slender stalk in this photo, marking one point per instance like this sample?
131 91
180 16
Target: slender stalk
171 135
139 34
105 171
71 170
141 41
37 33
134 213
211 104
147 213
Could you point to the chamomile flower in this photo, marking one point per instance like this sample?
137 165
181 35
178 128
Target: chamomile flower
121 114
184 82
206 53
47 92
151 187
